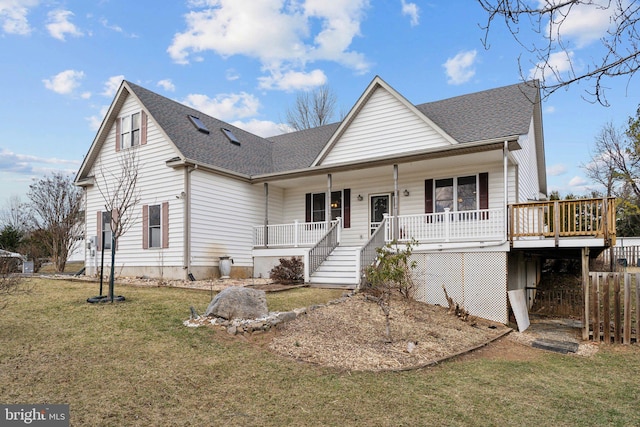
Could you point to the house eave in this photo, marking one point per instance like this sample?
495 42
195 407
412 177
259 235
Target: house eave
460 149
177 163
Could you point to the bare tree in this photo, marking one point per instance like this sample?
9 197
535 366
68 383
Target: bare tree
56 208
13 214
312 109
601 168
119 190
554 21
615 164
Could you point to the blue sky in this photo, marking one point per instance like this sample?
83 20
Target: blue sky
243 61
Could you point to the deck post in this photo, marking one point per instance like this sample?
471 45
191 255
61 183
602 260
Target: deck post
585 293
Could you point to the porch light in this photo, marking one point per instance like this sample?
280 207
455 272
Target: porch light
405 192
359 197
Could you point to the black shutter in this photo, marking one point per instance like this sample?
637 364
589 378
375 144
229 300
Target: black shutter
428 196
307 207
346 194
483 188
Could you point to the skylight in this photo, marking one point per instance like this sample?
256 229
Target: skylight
231 136
198 124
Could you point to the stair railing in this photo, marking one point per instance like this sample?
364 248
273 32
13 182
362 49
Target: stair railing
369 253
319 253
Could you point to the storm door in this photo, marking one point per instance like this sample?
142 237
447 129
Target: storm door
379 204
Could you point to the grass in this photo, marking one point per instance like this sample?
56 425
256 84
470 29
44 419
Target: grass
134 364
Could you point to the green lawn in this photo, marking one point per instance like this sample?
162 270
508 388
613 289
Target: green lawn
135 364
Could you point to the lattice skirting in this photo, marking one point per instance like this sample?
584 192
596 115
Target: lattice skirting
477 281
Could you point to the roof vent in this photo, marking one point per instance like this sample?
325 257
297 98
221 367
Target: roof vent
198 124
231 136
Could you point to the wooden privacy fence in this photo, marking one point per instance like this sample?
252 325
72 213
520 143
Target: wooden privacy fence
614 300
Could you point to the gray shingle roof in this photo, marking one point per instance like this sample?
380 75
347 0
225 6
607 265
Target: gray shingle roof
490 114
486 115
297 150
252 156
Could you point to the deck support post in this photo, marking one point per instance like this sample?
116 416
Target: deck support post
585 293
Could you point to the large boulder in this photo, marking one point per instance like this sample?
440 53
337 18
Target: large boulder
238 303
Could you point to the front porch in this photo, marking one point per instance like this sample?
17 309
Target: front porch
584 223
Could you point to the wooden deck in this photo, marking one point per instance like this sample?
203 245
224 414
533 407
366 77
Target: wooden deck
563 223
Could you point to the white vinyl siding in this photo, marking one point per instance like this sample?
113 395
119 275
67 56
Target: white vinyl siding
223 213
157 183
384 127
528 187
380 181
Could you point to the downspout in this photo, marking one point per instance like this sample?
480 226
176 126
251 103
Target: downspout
187 221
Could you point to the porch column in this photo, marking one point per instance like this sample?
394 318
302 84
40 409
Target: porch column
396 197
505 221
327 203
266 214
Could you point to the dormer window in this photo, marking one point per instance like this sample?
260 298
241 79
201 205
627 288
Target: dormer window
230 136
198 124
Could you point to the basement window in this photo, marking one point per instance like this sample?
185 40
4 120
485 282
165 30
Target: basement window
198 124
230 136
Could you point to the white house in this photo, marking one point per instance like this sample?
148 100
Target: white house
457 175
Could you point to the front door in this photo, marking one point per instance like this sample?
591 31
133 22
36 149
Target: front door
379 204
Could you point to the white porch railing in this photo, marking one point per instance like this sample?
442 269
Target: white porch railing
289 235
485 224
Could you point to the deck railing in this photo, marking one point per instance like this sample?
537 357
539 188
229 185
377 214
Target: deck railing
563 218
449 226
289 235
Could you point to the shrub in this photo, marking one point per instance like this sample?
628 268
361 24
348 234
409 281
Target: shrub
289 272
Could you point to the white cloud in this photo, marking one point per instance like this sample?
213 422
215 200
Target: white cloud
263 128
225 106
167 85
232 75
280 37
59 24
584 23
460 69
549 109
96 120
112 85
29 164
293 80
577 181
64 82
558 64
412 11
114 27
13 16
557 169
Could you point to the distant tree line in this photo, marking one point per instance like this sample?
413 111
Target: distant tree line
48 225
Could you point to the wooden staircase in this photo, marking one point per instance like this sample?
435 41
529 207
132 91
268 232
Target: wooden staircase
339 269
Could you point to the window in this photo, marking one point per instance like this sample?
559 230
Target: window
340 206
155 226
155 236
106 230
130 130
456 194
198 124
